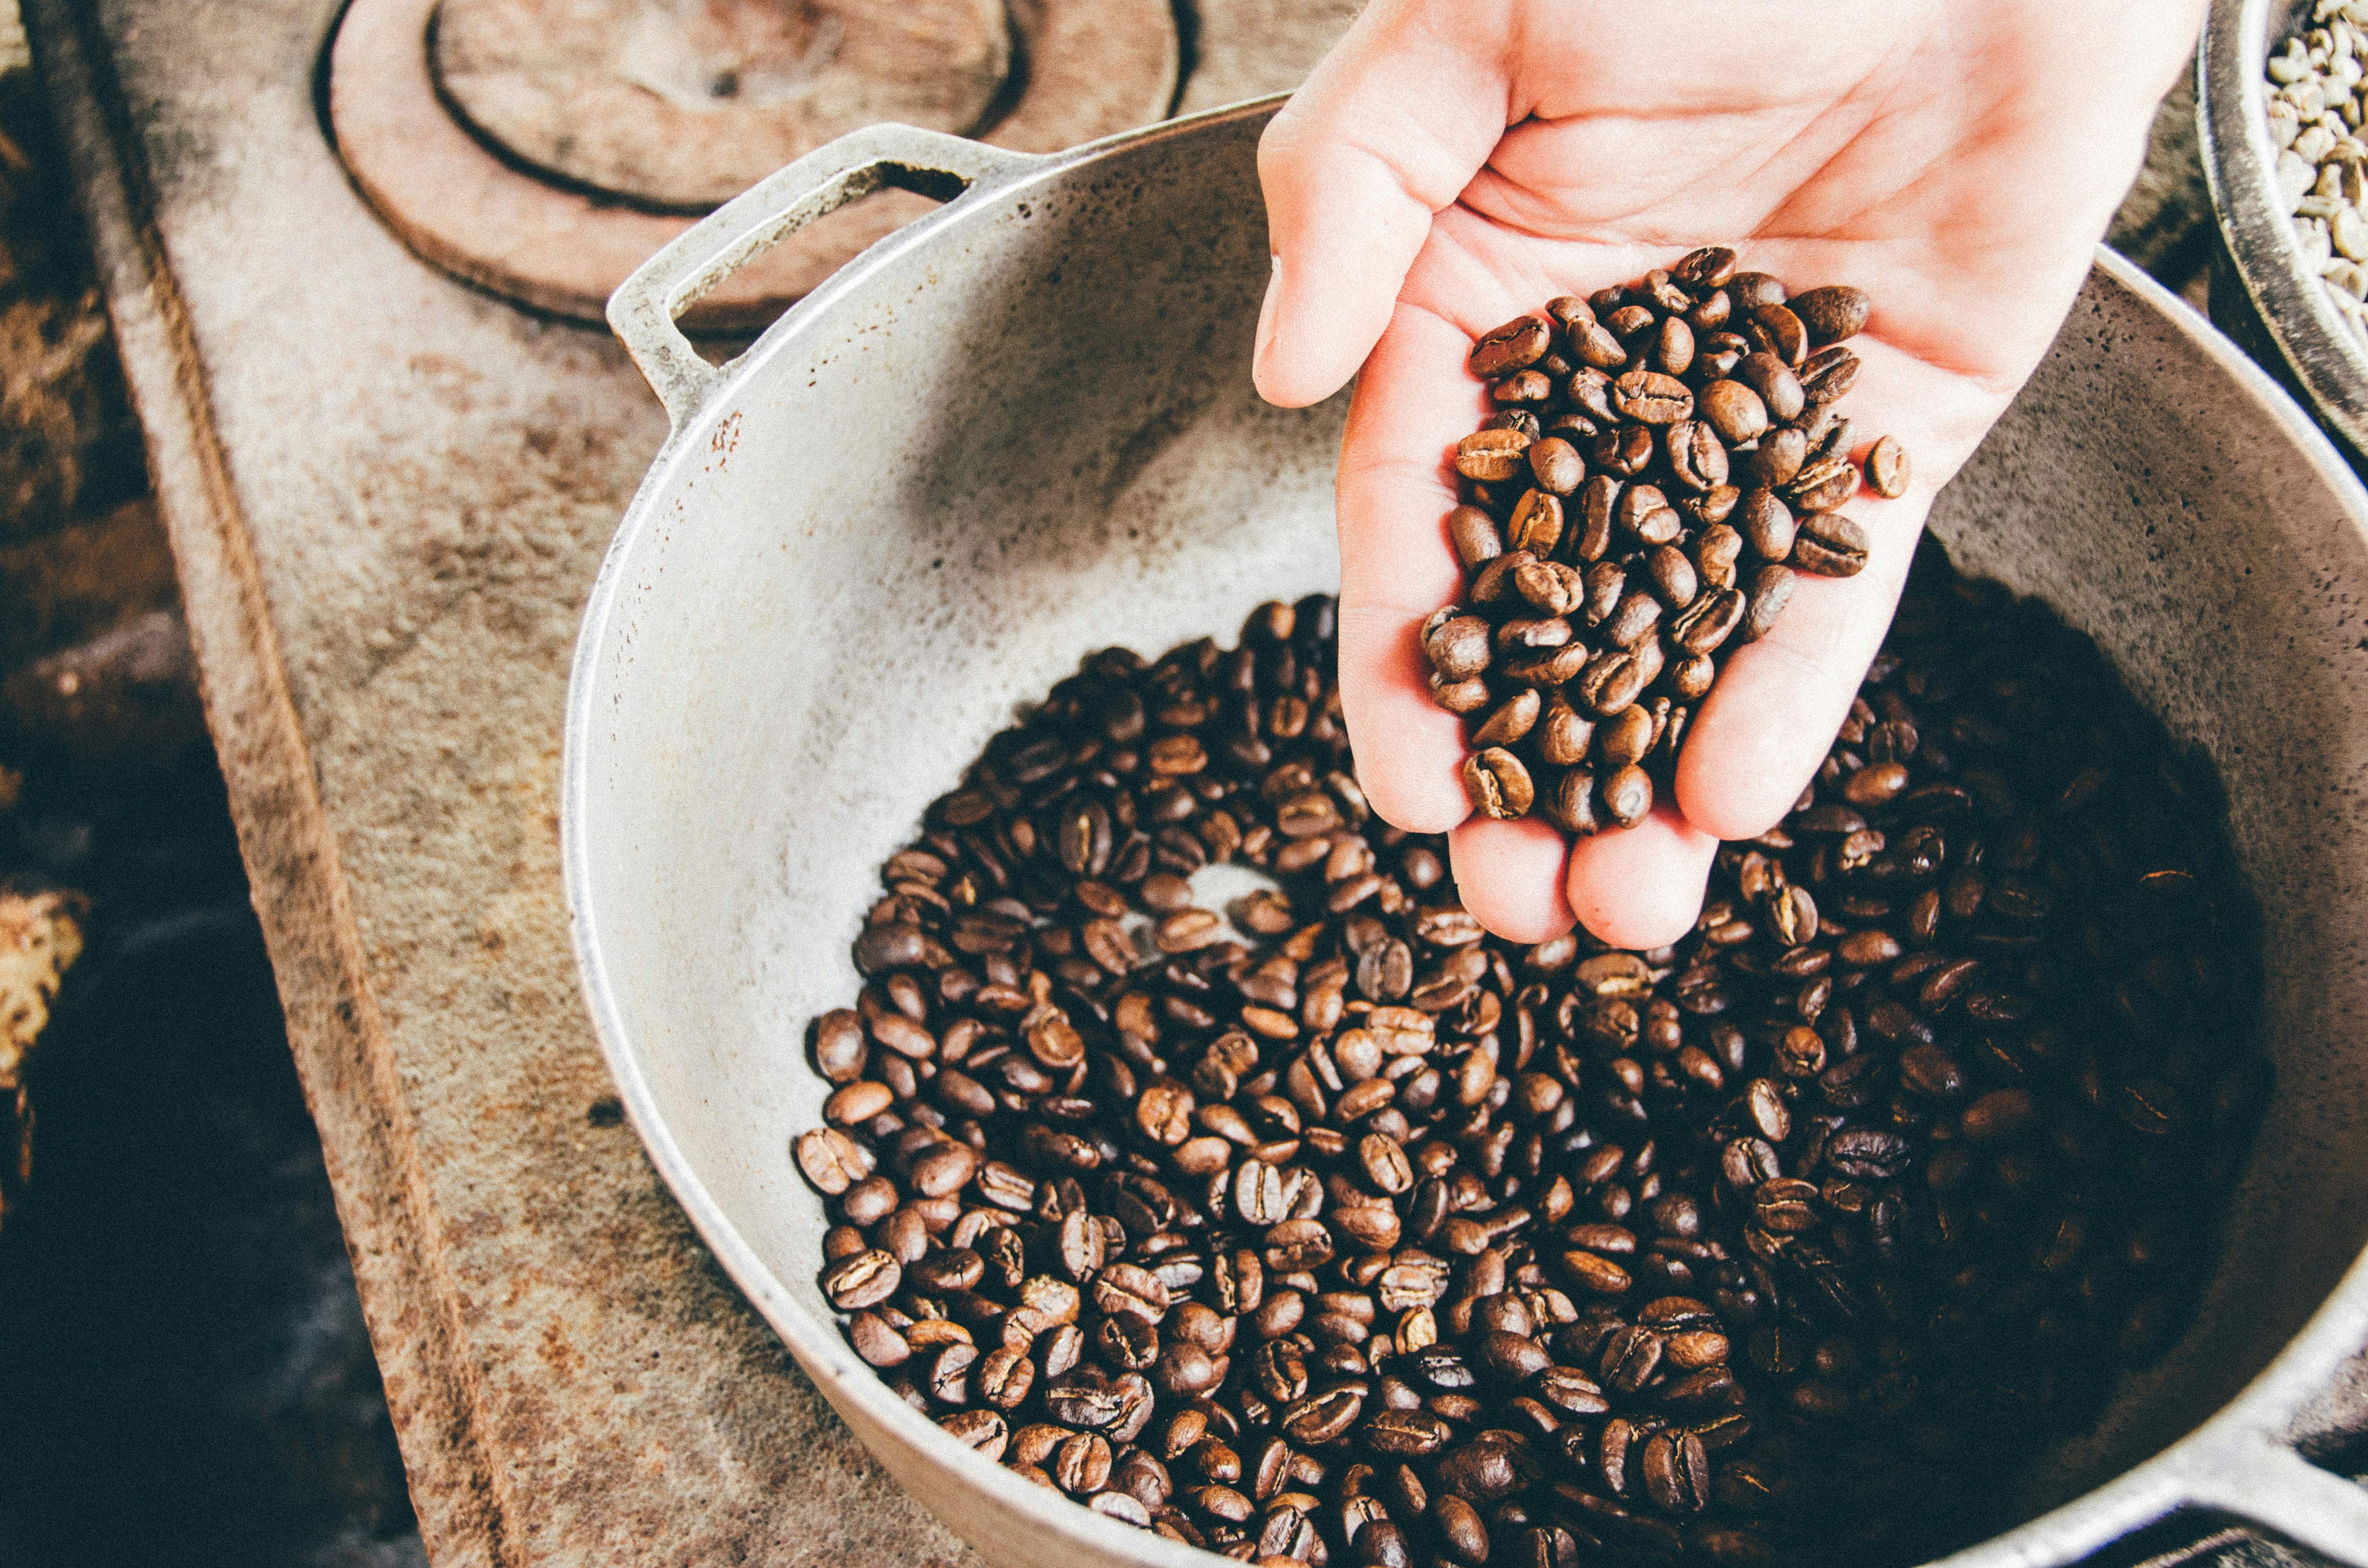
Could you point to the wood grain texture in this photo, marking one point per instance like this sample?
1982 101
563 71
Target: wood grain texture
1251 48
687 104
386 495
1096 67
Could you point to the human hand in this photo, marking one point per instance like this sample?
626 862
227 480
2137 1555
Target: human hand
1453 164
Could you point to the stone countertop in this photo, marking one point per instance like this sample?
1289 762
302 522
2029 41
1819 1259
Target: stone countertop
388 495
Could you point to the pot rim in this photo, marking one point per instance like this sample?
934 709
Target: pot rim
2236 1451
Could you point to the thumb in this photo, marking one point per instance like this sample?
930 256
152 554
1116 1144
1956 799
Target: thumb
1387 132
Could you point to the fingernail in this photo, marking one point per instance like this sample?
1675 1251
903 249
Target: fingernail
1265 338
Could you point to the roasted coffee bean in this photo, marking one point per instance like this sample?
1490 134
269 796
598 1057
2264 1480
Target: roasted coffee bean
1673 347
1467 696
862 1280
1697 459
1557 466
1832 313
1512 720
1824 482
1629 1358
1549 587
1734 410
1574 807
1458 646
1766 525
1492 456
982 1431
1320 1418
1638 503
1632 620
1709 621
1777 460
1521 387
1563 734
1775 330
1691 676
1887 468
1515 346
1830 432
1623 451
1479 1471
1708 267
839 1046
1385 1165
944 1169
877 1340
1660 526
1513 1358
1493 586
1460 1527
1570 312
1381 1543
1717 354
1537 523
1712 507
1649 397
1629 322
1771 377
1475 536
1716 553
1598 348
1626 797
1827 376
831 1159
1626 736
1771 590
1672 576
1829 545
1752 290
1530 632
1497 783
1677 1472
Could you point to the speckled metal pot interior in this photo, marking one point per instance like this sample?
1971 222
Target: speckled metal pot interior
1026 430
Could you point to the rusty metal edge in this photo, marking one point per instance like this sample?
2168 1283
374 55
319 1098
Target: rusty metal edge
343 1055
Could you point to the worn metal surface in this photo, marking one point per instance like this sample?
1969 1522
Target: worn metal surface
388 495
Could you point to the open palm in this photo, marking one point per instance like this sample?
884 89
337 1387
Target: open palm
1456 162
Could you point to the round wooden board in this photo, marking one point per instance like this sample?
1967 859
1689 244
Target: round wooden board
1094 67
684 106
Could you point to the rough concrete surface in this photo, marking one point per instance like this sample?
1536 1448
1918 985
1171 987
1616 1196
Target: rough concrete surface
387 497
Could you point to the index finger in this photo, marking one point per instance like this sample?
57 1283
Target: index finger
1412 402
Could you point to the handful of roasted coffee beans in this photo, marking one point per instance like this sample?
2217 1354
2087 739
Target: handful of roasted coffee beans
1664 458
1326 1229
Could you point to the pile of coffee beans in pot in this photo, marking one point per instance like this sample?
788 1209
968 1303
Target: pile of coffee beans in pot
1327 1229
1664 459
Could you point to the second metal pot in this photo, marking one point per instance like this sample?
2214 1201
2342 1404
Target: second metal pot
2264 292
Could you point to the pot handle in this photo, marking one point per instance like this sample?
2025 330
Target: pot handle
644 309
2265 1482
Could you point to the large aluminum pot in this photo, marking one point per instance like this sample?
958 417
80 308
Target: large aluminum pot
1023 429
